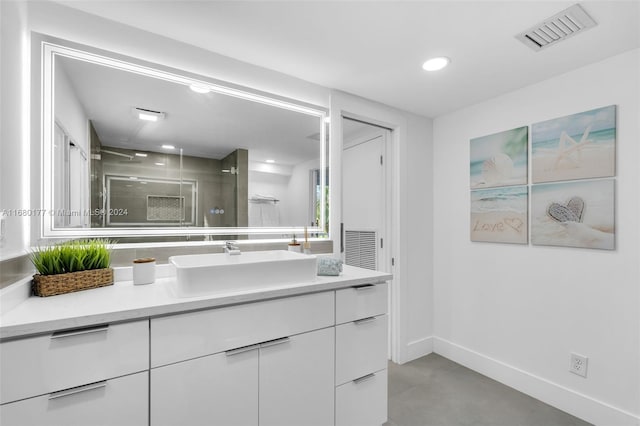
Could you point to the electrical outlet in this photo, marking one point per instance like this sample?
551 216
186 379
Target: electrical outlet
578 365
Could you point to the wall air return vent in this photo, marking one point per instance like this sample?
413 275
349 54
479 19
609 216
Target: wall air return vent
361 249
559 27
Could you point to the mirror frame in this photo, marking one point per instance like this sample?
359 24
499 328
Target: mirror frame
44 51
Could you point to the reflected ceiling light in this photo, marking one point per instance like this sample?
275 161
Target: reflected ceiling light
147 117
159 164
168 147
199 88
148 114
270 161
133 177
435 64
140 154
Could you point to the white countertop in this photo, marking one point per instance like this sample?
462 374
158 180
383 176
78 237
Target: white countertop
124 301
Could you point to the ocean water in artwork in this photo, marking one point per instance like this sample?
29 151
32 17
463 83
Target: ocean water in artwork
499 215
574 214
499 159
577 146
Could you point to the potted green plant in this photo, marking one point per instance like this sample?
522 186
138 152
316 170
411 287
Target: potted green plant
71 266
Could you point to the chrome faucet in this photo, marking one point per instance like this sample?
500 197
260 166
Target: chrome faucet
230 247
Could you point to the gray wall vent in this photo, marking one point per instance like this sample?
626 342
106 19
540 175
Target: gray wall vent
361 249
559 27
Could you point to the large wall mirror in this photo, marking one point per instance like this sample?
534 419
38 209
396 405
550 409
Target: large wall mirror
132 149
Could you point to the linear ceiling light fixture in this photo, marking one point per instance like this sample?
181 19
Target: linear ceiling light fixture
148 114
559 27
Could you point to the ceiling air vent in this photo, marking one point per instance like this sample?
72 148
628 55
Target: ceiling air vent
559 27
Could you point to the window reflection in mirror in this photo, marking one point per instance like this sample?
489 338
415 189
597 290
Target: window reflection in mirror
136 148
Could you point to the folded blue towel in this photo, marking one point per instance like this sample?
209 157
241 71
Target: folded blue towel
329 267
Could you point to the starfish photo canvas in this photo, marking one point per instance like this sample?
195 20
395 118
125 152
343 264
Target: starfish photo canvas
574 214
499 159
499 215
577 146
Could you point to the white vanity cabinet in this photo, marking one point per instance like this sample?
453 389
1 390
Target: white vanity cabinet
86 376
312 357
262 363
361 355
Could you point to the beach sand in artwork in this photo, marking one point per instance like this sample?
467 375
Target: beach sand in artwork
546 231
590 162
499 226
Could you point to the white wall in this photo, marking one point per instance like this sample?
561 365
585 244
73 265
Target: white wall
297 205
516 312
70 113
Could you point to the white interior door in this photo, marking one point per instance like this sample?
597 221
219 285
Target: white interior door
363 197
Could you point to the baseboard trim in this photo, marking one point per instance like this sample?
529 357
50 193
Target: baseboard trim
570 401
419 348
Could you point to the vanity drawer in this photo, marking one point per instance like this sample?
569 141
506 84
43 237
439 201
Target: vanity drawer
184 336
362 402
361 348
123 401
361 302
43 364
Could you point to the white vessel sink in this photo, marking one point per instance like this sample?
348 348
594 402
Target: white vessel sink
204 274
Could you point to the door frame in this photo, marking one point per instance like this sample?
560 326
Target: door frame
349 106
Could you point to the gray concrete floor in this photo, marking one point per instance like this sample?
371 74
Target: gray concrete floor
434 391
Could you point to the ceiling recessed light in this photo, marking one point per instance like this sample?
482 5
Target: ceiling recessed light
199 88
435 64
168 147
159 164
270 161
140 154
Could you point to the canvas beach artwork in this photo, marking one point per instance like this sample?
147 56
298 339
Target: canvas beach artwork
577 146
499 215
499 159
574 214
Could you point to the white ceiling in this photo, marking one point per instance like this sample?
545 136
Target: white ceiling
375 49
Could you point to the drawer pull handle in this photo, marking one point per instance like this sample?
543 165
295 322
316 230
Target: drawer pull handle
364 287
364 378
364 320
274 342
79 389
241 350
80 331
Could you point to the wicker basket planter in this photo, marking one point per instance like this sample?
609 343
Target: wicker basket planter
50 285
